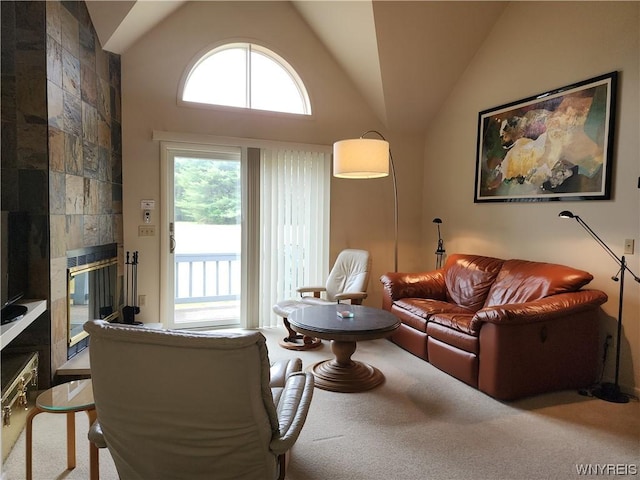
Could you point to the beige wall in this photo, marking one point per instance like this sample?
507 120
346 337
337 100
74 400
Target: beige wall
561 43
533 48
361 211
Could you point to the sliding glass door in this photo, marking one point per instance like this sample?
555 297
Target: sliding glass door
203 244
242 228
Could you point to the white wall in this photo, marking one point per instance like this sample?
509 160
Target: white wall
361 211
533 48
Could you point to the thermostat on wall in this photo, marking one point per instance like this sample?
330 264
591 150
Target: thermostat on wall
147 204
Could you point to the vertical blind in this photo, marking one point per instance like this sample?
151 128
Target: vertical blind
294 218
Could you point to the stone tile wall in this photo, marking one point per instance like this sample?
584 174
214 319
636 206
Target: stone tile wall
61 149
85 151
24 155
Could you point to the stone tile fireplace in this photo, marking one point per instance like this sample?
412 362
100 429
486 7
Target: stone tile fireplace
61 153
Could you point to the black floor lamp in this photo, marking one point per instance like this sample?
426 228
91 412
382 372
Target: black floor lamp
440 251
609 391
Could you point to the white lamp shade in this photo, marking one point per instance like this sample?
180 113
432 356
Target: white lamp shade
361 158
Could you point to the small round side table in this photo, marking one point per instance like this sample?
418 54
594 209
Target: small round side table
69 398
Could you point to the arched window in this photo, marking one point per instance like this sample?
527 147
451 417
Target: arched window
246 75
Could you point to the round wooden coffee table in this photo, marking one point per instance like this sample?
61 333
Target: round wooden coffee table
342 374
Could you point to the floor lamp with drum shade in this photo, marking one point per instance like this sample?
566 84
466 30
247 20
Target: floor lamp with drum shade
367 158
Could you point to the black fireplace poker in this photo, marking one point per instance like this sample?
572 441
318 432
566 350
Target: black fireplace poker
130 310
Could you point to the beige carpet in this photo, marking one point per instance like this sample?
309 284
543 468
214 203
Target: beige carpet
420 424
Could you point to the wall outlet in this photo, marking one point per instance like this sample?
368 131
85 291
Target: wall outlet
146 230
628 246
142 300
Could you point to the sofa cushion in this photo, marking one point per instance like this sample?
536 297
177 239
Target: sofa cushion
425 307
522 281
454 337
457 321
469 278
421 310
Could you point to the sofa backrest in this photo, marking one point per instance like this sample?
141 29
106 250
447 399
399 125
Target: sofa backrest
469 279
522 281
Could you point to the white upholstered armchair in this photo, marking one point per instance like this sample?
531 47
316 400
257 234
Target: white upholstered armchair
177 405
347 282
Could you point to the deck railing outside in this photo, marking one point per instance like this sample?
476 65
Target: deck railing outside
207 277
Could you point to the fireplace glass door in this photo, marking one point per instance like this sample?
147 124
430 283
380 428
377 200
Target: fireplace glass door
91 295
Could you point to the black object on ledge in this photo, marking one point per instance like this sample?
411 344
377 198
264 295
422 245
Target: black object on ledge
12 312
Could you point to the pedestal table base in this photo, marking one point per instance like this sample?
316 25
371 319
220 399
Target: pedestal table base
342 374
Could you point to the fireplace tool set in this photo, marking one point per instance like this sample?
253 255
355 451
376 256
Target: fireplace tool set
105 297
130 310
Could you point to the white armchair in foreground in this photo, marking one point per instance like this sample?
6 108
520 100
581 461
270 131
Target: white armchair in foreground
176 404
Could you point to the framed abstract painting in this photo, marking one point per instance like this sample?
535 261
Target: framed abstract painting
554 146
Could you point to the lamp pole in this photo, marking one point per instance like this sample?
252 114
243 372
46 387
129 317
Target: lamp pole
609 392
440 251
395 199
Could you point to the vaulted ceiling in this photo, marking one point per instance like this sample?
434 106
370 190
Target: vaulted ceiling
439 37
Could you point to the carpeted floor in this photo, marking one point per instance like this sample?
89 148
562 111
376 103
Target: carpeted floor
420 424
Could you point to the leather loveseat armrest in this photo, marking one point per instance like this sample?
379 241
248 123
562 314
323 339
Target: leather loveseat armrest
547 308
412 285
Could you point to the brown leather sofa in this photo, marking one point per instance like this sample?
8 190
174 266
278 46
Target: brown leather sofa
511 328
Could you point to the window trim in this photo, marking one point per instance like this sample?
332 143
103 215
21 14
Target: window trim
251 46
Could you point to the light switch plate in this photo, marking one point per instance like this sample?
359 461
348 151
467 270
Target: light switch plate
628 246
146 230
